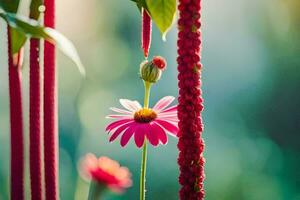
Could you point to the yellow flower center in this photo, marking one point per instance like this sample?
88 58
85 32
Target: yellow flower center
144 115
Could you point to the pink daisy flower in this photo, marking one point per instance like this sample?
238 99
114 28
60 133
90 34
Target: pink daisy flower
152 124
106 172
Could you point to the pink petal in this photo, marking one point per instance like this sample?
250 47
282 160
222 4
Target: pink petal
120 116
119 130
139 136
169 126
117 123
167 115
152 135
118 110
137 104
130 105
163 103
170 109
161 134
169 112
127 135
173 120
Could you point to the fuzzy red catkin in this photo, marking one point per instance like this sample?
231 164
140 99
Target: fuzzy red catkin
146 32
34 122
190 145
50 110
16 123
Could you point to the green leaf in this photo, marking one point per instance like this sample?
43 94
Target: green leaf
31 28
162 13
18 40
25 25
66 46
10 5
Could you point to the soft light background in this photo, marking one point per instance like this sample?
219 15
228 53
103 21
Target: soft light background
251 79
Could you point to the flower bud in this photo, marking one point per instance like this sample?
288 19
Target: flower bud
150 72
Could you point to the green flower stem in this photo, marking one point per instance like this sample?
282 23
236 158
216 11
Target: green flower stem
95 191
147 93
144 153
143 173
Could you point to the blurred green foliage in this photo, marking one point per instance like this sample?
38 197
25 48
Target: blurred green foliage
251 79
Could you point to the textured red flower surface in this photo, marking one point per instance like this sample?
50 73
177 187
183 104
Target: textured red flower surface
106 172
191 145
153 124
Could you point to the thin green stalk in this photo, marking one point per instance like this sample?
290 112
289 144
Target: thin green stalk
143 172
144 153
147 93
95 191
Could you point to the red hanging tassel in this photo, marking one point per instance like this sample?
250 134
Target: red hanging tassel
191 145
16 123
146 32
34 122
50 110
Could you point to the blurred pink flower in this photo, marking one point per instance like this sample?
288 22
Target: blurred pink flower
153 124
105 172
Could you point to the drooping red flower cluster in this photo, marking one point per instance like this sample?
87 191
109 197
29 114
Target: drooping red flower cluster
35 122
16 122
190 143
35 154
50 110
146 32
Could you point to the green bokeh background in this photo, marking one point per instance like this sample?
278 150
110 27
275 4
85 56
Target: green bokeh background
251 79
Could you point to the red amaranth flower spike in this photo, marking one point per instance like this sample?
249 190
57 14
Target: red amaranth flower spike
146 32
34 122
190 145
34 117
16 123
50 110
